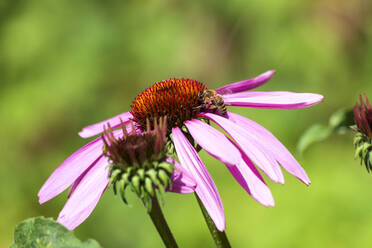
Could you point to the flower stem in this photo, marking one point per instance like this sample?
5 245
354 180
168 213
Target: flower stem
161 225
220 238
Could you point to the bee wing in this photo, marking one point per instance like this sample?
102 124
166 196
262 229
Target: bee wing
224 91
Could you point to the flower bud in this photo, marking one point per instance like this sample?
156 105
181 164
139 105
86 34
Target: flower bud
363 116
363 128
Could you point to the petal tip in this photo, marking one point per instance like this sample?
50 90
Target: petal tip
269 203
277 179
280 177
61 219
318 97
270 73
221 227
315 99
282 182
43 196
41 200
304 179
83 134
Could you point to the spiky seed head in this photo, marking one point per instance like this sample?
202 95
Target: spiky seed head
138 160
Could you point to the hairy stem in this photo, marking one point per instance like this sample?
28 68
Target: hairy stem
161 225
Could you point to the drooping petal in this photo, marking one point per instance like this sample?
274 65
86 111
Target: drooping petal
273 99
246 84
206 189
223 149
86 195
255 151
250 179
70 170
77 181
182 183
97 128
213 142
73 167
267 139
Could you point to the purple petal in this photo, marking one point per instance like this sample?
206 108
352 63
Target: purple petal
206 189
281 154
246 84
72 168
182 183
250 179
97 128
222 148
254 150
86 195
214 142
77 181
273 99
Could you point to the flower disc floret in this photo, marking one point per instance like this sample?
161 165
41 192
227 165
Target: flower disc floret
138 161
175 98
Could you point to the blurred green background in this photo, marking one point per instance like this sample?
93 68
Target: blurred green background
67 64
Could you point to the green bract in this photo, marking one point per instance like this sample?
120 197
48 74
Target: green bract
138 161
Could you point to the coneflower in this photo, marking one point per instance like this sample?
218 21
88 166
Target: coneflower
189 107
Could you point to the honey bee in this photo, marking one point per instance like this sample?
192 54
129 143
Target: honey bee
210 99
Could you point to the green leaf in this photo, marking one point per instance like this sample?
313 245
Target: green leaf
46 233
314 134
339 122
341 119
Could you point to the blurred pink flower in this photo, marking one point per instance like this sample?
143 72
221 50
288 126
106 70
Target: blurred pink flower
249 144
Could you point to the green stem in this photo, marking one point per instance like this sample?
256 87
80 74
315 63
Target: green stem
219 238
161 225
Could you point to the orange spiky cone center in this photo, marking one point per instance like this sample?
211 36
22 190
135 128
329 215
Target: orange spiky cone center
175 98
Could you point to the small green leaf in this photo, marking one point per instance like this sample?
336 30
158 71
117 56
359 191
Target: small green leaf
339 122
314 134
341 119
46 233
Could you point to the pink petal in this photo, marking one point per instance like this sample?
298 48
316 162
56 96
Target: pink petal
77 181
254 150
222 148
72 168
206 189
182 183
214 142
86 196
267 139
273 99
97 128
246 84
249 178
